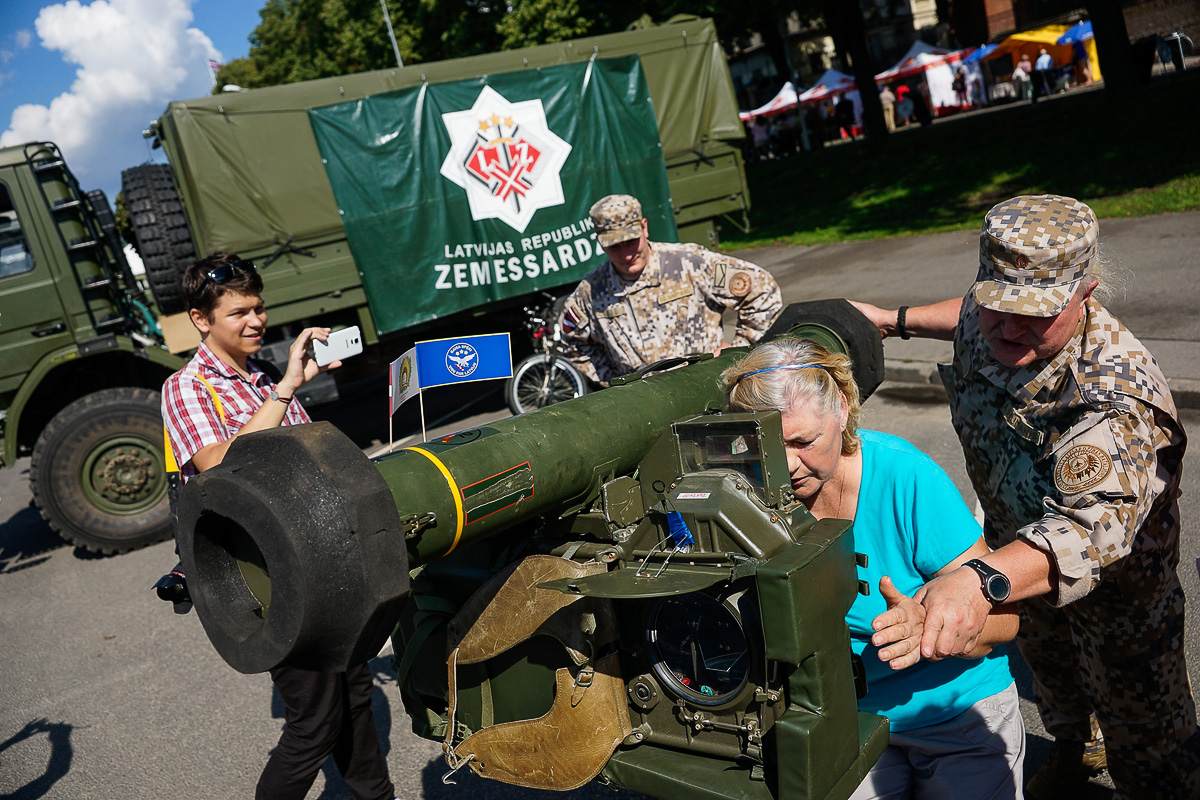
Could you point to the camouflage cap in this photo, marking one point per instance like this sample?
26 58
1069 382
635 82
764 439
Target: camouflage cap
618 218
1034 251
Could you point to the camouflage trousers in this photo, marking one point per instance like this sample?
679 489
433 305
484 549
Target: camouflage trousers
1123 659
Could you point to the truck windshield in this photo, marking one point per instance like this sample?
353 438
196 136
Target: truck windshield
15 257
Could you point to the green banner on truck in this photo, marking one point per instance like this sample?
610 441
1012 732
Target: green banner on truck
478 190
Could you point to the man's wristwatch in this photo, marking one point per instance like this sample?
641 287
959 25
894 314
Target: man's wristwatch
275 395
996 587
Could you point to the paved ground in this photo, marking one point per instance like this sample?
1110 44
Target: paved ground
1156 257
105 693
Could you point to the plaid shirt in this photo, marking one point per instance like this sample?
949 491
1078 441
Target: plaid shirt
191 417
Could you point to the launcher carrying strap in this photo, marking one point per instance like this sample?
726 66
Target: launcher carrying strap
569 745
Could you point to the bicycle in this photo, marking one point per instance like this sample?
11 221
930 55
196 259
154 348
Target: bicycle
546 377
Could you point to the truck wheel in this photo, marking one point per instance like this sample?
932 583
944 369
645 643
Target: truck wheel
543 380
98 473
160 226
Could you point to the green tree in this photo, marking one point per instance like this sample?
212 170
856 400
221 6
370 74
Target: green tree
531 22
300 40
303 39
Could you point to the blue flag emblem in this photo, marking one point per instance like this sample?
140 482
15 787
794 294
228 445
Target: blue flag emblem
462 359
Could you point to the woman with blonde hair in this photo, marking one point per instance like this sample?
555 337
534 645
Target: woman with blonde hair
956 728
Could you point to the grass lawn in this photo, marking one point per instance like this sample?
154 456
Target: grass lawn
1124 159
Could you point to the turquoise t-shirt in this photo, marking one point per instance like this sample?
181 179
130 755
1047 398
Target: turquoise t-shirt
911 522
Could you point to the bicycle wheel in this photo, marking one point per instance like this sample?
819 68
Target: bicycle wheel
542 380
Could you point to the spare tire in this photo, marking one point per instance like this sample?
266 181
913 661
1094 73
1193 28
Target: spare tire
160 227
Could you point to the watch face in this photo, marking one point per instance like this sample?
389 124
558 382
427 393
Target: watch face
996 587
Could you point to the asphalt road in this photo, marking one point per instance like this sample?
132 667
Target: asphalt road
105 693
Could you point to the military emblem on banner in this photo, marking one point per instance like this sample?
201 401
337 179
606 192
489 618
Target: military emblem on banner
405 372
461 360
505 157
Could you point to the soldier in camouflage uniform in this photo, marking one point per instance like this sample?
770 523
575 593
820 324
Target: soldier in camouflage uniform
652 300
1074 446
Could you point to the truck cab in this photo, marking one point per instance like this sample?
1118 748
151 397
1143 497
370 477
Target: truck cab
81 359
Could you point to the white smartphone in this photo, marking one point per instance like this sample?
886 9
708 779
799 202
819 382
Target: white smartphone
339 346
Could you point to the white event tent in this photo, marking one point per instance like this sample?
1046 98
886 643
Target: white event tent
829 84
937 68
780 103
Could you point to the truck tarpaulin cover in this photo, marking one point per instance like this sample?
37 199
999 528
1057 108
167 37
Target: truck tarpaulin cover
248 167
457 194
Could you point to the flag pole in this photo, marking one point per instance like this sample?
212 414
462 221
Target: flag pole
421 400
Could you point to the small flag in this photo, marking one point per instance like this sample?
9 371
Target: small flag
681 535
464 359
405 380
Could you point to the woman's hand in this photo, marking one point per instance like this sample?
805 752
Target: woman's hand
898 630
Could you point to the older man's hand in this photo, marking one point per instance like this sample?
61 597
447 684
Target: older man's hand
955 612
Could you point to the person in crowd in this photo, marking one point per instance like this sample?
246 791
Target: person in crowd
904 105
1075 449
956 727
888 100
1079 56
1026 67
814 118
224 393
651 300
1020 79
1043 71
844 112
760 138
959 84
922 102
979 94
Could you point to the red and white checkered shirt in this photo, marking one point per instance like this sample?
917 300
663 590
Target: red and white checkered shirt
190 413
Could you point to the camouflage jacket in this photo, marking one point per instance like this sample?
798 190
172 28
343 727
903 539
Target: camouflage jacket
612 326
1080 455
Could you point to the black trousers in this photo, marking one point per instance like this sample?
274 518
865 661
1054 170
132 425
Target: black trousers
326 713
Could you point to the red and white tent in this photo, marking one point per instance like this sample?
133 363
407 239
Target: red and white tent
829 84
937 67
780 103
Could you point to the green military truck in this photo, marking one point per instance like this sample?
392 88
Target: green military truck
429 201
81 359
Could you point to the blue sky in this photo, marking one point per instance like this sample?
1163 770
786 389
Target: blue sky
91 74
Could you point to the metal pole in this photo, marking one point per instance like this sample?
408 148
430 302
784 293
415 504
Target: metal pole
391 34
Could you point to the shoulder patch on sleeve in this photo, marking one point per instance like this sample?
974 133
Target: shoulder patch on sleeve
740 283
1087 464
719 270
1082 467
572 318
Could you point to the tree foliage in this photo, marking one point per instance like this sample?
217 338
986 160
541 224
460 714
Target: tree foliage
303 39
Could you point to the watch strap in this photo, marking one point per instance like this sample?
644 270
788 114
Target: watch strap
986 573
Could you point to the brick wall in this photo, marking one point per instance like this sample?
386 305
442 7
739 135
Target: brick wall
1163 17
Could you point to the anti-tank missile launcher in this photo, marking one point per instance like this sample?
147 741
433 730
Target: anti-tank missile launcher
620 586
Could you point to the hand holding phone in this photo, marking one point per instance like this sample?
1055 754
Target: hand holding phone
338 346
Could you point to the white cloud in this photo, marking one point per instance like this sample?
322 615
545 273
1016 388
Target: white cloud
21 39
134 56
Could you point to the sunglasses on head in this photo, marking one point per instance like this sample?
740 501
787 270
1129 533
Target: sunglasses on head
225 272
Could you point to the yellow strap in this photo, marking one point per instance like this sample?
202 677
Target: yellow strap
169 452
458 509
213 392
